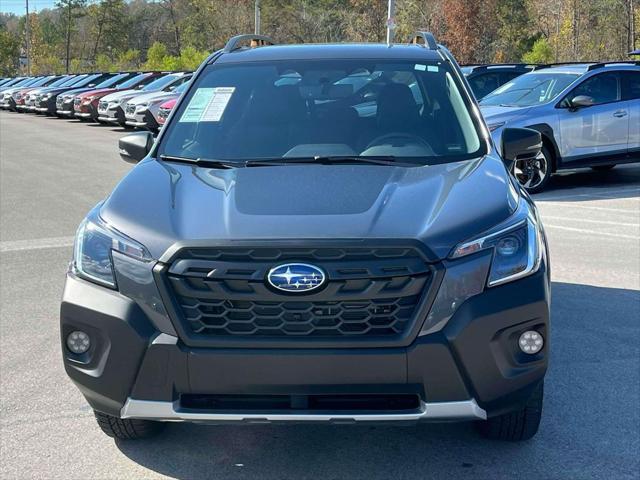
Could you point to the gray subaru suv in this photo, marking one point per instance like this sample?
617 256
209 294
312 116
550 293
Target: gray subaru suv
588 115
320 233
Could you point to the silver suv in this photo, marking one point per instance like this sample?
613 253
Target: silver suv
588 115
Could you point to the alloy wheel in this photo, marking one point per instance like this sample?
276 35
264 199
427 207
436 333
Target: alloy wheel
531 173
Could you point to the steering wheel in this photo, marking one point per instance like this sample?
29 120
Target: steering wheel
415 139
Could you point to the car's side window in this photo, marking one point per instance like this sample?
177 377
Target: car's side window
630 85
602 88
486 83
508 76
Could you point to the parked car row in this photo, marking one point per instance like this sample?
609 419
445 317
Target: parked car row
588 114
128 99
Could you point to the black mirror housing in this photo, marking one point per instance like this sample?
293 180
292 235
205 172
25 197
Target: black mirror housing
520 144
135 146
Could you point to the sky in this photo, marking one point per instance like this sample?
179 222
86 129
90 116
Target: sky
18 6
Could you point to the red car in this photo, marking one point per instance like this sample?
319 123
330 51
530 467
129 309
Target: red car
85 104
165 110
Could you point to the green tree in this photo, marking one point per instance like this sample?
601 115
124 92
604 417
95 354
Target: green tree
541 52
156 56
9 53
129 60
72 10
513 29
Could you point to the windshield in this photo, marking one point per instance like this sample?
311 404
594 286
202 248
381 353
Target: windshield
40 82
60 81
530 89
111 80
182 87
86 81
160 83
133 81
74 80
308 108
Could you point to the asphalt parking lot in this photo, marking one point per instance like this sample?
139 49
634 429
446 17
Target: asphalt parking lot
53 171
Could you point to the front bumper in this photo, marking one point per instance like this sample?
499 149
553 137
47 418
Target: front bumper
85 112
111 115
138 367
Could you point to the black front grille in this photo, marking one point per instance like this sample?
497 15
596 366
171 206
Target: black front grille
103 105
131 109
369 293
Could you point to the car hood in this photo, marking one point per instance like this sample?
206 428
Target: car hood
12 90
151 97
95 92
437 205
68 90
496 114
123 95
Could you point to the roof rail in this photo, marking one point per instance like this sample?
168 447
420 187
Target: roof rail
604 64
489 66
634 52
559 64
234 43
425 38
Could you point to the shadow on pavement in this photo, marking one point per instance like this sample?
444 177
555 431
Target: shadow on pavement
565 185
589 428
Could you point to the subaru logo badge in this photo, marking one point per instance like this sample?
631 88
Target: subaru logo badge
296 277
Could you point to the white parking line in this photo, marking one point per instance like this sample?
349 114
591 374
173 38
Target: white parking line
36 244
596 192
586 220
589 207
591 232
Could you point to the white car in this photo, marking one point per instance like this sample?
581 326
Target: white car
142 111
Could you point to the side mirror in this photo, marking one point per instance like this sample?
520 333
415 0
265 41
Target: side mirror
520 144
135 146
581 101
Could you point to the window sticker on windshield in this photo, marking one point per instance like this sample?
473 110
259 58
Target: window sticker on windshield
419 66
218 104
432 68
207 105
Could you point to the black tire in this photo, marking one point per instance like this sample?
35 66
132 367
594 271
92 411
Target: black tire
602 168
516 426
127 429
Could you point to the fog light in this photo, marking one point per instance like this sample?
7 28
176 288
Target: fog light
78 342
531 342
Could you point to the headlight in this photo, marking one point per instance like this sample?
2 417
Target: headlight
495 126
92 251
517 250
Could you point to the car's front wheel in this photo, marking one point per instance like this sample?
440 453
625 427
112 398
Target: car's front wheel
534 174
519 425
127 428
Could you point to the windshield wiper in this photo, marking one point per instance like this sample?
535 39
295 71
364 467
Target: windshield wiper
203 162
332 160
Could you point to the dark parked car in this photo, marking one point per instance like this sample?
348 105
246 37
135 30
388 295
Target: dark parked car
30 97
46 101
85 105
484 79
19 95
320 233
6 98
65 102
